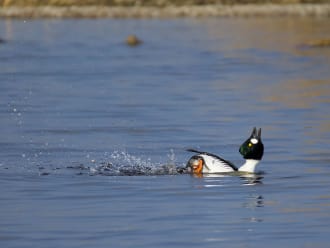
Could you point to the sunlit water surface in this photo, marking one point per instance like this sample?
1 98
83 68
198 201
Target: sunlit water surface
92 132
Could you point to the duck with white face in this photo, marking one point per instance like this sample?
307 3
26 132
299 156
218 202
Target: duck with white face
252 151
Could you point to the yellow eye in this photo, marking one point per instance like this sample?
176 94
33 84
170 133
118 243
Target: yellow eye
249 144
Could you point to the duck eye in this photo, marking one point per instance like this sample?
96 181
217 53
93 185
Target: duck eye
249 145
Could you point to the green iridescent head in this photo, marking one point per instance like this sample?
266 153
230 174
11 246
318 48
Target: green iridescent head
253 148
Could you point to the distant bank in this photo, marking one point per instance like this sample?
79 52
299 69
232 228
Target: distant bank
161 8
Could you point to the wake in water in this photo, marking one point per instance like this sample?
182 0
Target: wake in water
124 164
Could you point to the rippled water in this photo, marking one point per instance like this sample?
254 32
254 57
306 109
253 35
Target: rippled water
92 132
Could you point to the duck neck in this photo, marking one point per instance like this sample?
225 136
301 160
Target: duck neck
249 165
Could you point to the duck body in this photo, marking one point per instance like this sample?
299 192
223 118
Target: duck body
251 150
210 163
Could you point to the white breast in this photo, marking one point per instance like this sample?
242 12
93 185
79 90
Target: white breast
249 166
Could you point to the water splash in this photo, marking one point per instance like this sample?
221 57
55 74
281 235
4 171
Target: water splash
123 164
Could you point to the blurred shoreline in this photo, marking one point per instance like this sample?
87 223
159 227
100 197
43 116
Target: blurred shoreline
211 10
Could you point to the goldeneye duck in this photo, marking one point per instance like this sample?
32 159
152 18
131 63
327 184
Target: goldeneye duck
252 151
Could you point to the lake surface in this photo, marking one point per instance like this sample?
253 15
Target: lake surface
92 132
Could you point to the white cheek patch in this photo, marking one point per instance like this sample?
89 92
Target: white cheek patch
254 141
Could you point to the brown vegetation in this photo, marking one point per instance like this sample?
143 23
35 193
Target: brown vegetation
320 10
161 8
319 43
146 2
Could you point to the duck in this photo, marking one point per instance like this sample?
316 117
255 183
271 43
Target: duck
252 151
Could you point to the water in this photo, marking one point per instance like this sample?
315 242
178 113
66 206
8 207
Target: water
92 132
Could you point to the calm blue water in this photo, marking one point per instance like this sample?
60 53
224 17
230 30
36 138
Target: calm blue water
80 111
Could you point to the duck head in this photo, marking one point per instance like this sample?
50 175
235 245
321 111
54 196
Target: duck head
195 164
253 147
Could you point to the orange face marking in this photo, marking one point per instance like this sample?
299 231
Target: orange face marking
197 169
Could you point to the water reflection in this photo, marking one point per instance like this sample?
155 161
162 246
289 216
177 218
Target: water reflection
221 180
252 179
304 104
8 29
290 32
254 201
299 94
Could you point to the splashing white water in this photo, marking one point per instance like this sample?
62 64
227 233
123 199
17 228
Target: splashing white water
121 163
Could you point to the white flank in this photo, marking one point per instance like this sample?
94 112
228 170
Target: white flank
214 165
